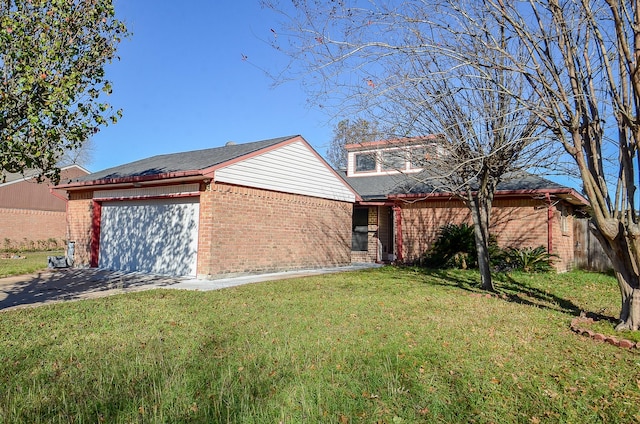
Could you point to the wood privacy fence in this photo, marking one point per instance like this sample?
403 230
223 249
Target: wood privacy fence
588 252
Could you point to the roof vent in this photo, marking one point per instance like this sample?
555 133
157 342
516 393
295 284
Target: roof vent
230 143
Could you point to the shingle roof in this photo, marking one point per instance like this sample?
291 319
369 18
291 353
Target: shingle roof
12 177
183 161
379 187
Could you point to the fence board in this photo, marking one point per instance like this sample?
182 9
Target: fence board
588 253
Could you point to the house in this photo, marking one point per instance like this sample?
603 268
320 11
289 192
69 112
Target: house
277 205
33 214
240 208
399 214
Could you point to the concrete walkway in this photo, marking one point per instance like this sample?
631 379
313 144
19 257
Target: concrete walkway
75 284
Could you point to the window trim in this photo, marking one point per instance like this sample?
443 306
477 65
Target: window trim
369 155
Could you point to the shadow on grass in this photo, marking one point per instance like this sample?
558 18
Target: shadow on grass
509 289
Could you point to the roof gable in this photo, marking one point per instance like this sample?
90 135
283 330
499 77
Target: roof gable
293 168
285 164
67 173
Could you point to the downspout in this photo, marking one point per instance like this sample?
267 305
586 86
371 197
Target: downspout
549 223
96 218
377 234
397 212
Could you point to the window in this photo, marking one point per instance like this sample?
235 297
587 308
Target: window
365 162
393 160
564 220
421 155
418 157
360 227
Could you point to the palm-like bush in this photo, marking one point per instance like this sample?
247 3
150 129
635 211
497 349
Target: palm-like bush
528 259
454 248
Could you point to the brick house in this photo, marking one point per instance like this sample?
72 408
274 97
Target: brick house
31 212
398 216
277 205
255 207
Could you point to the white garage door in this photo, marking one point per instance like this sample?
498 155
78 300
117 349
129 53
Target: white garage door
155 236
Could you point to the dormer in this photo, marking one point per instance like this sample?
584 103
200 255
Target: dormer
386 157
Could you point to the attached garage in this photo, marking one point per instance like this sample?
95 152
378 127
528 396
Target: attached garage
158 236
241 208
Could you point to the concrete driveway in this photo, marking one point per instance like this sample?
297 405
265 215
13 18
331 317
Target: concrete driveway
87 283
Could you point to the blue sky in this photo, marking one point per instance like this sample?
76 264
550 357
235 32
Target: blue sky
183 84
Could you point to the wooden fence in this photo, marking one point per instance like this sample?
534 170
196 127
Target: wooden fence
588 252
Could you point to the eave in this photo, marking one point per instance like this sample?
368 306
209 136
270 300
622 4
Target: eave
567 194
138 181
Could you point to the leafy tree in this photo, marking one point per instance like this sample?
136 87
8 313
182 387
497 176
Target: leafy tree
52 79
347 132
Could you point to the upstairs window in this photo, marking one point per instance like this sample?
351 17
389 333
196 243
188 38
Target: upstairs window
421 155
393 160
365 162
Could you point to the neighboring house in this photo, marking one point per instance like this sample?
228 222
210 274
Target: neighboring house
263 206
33 213
399 215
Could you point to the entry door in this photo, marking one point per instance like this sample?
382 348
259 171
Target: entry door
154 236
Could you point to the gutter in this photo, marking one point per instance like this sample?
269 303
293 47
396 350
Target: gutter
502 193
186 175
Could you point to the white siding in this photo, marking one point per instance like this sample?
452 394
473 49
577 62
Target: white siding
290 169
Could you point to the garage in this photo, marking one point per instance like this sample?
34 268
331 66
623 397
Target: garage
270 205
158 236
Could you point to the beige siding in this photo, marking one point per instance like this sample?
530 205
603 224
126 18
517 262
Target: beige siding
148 191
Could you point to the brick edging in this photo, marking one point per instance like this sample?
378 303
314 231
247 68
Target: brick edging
575 327
621 343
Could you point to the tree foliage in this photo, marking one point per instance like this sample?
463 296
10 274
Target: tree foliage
52 79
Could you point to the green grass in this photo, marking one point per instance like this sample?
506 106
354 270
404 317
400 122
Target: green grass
380 346
32 262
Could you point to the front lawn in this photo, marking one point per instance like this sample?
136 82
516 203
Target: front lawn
24 262
379 346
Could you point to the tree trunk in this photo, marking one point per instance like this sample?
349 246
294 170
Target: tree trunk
625 266
484 264
481 213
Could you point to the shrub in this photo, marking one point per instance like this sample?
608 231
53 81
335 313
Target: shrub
527 259
455 247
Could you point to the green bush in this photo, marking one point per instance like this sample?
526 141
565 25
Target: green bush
455 247
527 259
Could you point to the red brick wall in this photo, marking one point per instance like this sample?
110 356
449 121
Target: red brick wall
80 212
248 230
23 227
515 222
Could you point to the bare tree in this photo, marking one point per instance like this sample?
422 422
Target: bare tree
348 132
407 65
582 62
82 155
